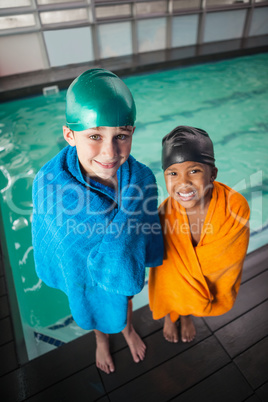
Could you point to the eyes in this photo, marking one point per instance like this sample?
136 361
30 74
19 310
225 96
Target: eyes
193 171
120 137
94 137
172 174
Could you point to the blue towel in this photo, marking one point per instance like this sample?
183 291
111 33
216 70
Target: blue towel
94 243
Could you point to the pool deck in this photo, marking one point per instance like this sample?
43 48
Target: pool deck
228 361
32 83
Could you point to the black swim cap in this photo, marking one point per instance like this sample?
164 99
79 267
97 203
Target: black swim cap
186 143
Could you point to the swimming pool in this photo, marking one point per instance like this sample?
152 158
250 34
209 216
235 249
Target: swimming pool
228 99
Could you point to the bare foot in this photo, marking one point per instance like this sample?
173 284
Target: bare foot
188 331
104 359
135 343
170 330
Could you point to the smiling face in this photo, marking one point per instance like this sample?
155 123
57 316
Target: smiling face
101 150
190 183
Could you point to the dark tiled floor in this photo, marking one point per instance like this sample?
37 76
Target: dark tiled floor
228 361
32 83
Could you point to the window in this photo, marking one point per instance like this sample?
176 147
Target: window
225 25
45 2
115 39
151 34
259 24
159 7
184 30
113 11
62 46
15 3
55 17
211 3
185 4
17 21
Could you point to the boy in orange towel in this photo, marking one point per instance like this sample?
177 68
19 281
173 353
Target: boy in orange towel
206 232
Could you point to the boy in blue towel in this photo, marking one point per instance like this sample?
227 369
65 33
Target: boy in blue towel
95 224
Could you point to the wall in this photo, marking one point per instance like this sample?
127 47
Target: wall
40 34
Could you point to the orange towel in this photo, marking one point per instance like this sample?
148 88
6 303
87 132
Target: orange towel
202 280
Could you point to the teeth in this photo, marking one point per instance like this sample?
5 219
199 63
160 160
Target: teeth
187 195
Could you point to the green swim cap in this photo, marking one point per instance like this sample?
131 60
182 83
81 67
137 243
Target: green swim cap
99 98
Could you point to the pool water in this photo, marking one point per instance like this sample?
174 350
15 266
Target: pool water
228 99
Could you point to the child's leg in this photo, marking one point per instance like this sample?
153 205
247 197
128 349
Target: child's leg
170 330
188 331
104 359
135 343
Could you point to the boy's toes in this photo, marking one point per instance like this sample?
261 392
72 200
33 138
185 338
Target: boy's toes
111 367
187 338
103 368
141 355
175 338
167 337
171 338
188 331
136 358
136 344
106 368
170 330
